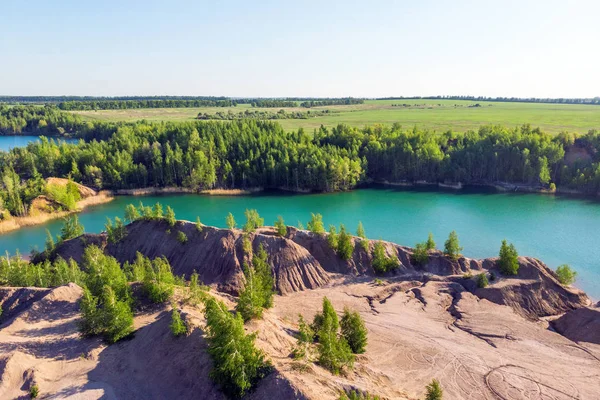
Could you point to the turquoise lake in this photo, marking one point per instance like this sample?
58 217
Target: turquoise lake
558 230
10 142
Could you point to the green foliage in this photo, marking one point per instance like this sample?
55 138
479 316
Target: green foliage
360 231
158 280
434 391
117 232
345 248
354 331
452 247
197 290
482 280
131 213
334 352
178 327
71 228
508 261
257 293
182 237
332 237
198 224
34 391
430 243
253 221
356 395
230 221
566 275
420 254
280 227
105 315
305 337
381 262
103 270
157 211
18 272
66 195
170 216
315 225
237 364
49 245
300 225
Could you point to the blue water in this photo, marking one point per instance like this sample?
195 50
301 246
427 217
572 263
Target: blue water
10 142
557 230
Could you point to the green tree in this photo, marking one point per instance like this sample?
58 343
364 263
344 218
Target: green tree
117 232
482 280
305 338
198 224
178 327
170 216
332 238
237 364
508 261
420 255
354 331
253 221
49 245
566 275
257 293
434 391
159 281
360 231
230 221
280 227
71 228
131 213
315 225
157 211
345 248
452 247
334 351
115 315
430 244
544 171
380 261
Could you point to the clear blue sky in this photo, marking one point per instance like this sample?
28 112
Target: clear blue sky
541 48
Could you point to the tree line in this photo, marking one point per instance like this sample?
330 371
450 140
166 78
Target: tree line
258 114
129 104
561 100
331 102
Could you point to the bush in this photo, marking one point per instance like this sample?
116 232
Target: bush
131 213
170 216
566 275
182 237
315 225
508 261
305 337
71 228
34 391
117 232
452 247
482 280
381 262
280 227
157 211
356 395
198 224
178 327
66 195
420 255
430 244
434 391
332 238
237 364
354 331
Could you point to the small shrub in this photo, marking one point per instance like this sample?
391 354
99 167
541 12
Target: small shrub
332 238
117 232
305 338
158 280
170 216
452 247
566 275
34 391
508 261
315 225
280 227
131 213
230 221
345 248
381 262
182 237
430 244
482 280
71 228
198 224
253 221
356 395
354 331
178 327
157 211
434 391
420 255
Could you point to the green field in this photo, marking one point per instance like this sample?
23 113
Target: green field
437 115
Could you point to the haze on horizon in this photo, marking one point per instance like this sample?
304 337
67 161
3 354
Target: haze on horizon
313 48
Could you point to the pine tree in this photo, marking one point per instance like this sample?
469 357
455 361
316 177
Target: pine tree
265 273
230 221
237 364
332 238
50 244
198 224
116 316
430 244
354 331
177 325
131 213
345 248
250 301
452 247
334 351
381 262
305 338
280 227
71 228
159 280
360 231
253 221
170 216
508 261
157 211
315 225
434 391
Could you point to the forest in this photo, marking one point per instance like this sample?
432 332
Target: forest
129 104
258 114
593 101
332 102
254 153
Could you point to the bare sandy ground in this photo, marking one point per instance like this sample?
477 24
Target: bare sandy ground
417 332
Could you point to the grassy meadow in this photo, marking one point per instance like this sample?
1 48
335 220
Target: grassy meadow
437 115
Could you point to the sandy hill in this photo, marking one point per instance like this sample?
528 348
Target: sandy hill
424 322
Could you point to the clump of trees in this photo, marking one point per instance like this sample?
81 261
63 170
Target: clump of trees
381 262
566 275
258 292
237 364
341 243
508 259
14 271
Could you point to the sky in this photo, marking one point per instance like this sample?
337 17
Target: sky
527 48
